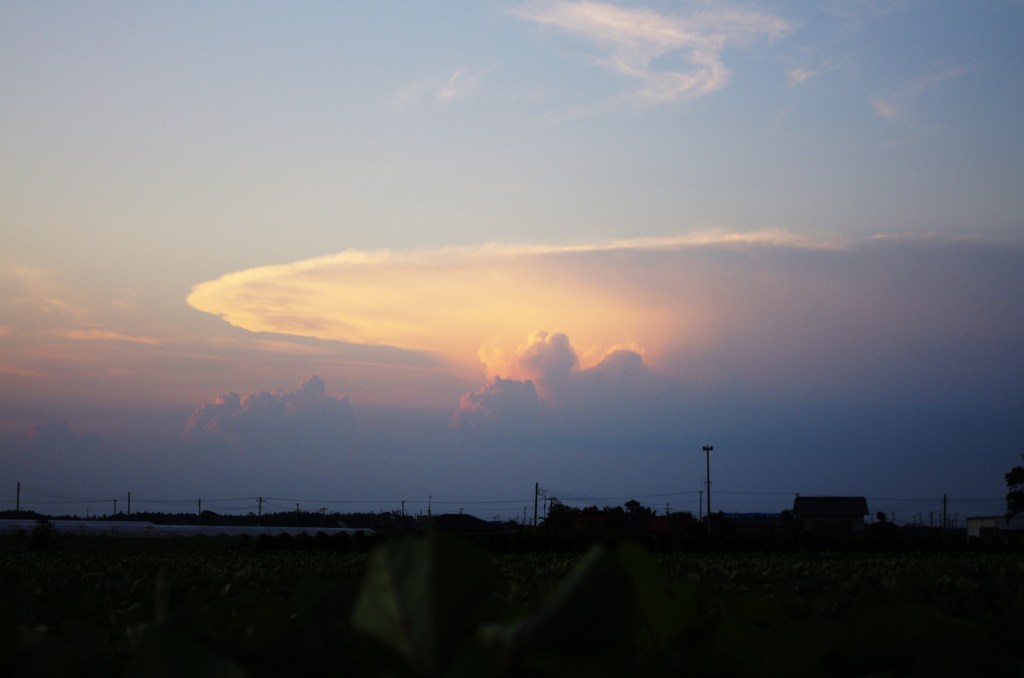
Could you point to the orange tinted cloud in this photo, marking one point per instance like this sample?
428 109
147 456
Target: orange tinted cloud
450 301
763 311
466 302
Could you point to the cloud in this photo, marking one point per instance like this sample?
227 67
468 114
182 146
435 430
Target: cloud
635 42
505 405
897 317
34 290
619 399
472 301
548 358
96 334
460 84
410 93
896 107
283 420
801 74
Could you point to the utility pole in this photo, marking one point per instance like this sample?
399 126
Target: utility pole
259 511
536 493
17 498
430 499
129 504
707 457
700 504
115 507
199 510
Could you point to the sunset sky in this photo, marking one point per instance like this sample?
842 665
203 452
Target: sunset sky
348 254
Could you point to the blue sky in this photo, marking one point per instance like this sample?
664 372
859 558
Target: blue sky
792 230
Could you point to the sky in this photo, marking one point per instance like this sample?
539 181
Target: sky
351 254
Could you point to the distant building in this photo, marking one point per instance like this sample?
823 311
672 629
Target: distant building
830 514
987 527
138 528
755 522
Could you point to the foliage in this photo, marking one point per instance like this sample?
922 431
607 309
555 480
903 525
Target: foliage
435 606
613 523
1015 490
44 535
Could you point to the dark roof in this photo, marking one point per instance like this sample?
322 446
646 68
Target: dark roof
810 507
460 522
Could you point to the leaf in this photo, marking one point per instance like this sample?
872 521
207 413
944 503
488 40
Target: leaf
423 598
588 612
164 653
663 612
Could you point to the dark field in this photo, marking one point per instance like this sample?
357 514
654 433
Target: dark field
436 606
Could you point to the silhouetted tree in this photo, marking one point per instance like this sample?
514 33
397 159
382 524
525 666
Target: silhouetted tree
1015 490
44 535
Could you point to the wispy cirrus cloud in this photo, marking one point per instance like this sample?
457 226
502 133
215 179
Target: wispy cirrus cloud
45 307
461 84
631 41
898 106
802 74
34 290
99 334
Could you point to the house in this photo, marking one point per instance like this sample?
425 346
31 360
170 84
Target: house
830 514
461 523
987 527
755 522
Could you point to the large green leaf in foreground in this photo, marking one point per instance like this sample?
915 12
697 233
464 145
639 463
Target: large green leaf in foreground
423 598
